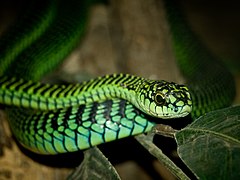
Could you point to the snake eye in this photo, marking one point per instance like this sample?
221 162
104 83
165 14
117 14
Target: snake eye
159 99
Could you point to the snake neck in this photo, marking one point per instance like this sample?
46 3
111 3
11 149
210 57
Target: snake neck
122 86
29 94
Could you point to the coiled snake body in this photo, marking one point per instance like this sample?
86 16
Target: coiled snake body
51 119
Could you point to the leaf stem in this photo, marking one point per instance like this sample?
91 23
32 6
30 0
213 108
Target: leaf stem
146 141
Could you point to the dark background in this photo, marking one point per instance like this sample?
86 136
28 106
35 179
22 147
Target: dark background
129 37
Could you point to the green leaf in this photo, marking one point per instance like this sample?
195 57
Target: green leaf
94 166
210 146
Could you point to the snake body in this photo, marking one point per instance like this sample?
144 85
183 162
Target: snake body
66 118
51 119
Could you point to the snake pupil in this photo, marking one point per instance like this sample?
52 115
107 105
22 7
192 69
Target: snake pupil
159 99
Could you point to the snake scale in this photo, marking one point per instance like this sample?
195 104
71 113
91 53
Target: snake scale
52 119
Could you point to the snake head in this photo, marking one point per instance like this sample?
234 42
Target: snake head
163 99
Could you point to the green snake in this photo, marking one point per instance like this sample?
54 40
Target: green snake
51 119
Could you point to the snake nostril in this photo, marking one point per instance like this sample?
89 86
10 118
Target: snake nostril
176 109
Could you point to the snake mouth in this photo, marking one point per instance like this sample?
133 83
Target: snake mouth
175 115
169 115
